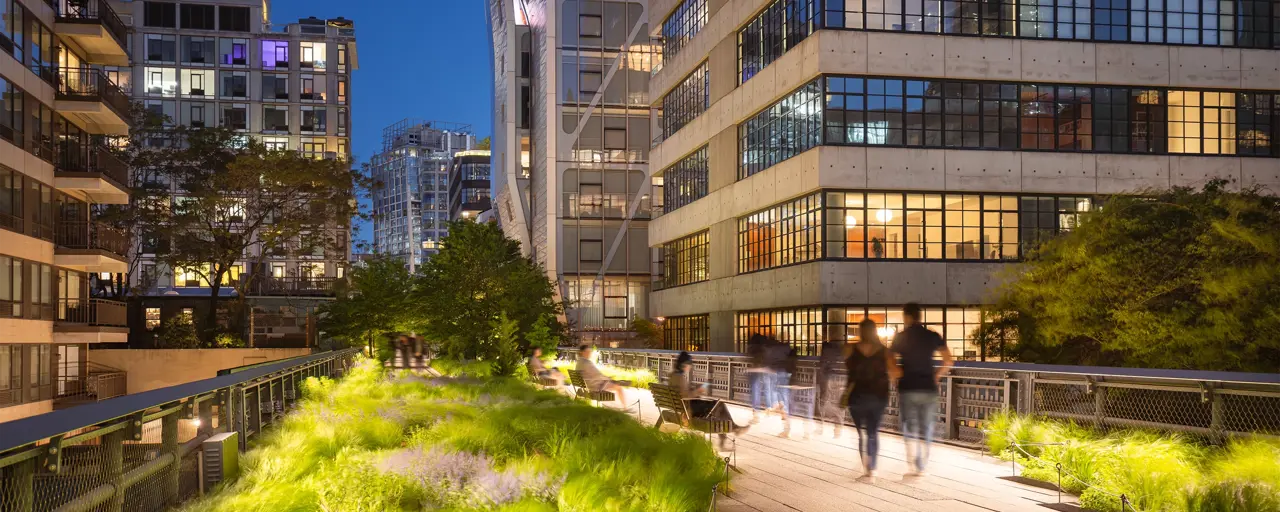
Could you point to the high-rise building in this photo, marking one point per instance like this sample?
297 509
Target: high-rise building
223 63
828 161
469 184
60 111
571 150
411 193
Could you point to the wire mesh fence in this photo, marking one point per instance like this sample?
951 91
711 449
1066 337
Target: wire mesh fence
142 452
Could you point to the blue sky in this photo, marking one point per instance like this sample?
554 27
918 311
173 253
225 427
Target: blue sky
425 59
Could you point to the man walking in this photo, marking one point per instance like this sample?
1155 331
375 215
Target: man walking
913 350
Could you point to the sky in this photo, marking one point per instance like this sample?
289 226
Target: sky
425 59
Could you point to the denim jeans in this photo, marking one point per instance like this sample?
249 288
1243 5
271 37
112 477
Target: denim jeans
782 395
918 411
762 389
867 411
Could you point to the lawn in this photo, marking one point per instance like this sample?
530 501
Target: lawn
379 440
1155 471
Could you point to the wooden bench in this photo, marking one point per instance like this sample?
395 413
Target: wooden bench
672 408
581 390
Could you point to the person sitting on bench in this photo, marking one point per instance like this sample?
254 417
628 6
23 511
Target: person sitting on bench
539 369
595 380
693 394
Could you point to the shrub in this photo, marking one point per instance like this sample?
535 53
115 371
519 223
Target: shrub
228 340
178 332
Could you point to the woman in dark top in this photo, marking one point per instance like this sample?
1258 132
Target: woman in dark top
868 389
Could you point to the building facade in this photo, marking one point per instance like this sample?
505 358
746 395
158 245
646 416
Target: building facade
411 194
469 185
826 161
222 63
571 151
60 112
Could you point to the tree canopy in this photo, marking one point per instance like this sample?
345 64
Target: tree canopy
1182 278
374 304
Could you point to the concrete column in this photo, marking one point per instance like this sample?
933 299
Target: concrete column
722 250
722 159
723 66
720 323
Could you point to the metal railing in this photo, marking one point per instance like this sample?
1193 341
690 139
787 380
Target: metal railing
292 286
94 11
93 312
98 382
88 84
139 452
76 234
74 158
1211 404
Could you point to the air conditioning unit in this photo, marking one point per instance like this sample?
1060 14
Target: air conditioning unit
221 459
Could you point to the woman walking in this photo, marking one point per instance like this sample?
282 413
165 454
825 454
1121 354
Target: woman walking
869 366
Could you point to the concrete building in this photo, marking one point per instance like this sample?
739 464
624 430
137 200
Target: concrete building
411 199
224 63
571 150
58 114
828 161
469 184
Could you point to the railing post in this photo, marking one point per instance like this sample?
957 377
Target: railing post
1099 404
169 444
953 429
113 468
205 415
1217 409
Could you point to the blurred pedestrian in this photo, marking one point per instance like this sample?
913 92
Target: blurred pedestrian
759 376
595 379
694 395
831 363
869 367
780 359
538 368
913 349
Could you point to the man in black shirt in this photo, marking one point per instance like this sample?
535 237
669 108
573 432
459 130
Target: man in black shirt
913 351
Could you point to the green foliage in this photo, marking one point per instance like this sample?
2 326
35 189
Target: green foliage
543 336
639 378
1176 279
648 332
376 306
503 349
1158 472
478 276
457 368
177 332
228 340
400 442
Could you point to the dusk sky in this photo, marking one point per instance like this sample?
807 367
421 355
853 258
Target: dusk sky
426 59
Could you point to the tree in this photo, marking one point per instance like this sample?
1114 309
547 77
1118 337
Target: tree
178 332
374 305
502 349
222 198
484 143
476 278
1171 279
648 332
545 334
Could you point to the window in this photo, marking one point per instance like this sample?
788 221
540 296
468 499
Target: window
680 27
342 90
588 250
162 48
235 116
235 19
801 328
781 235
590 25
314 147
276 143
1202 122
691 333
43 53
197 83
152 318
11 188
235 84
589 82
313 119
342 58
342 121
275 118
198 50
778 28
233 52
686 101
1041 218
12 118
196 16
13 18
196 115
615 138
275 87
10 287
684 260
782 130
313 88
161 81
313 55
160 14
1257 117
685 181
275 54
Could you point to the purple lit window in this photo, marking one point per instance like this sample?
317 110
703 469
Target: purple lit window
275 54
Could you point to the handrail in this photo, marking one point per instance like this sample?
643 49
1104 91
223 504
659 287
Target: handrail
98 11
27 431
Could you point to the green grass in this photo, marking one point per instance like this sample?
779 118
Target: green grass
393 441
1156 471
639 378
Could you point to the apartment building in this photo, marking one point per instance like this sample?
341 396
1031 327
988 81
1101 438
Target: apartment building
570 151
59 114
223 63
411 193
469 184
826 161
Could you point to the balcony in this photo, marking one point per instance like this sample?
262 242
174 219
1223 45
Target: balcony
98 383
94 26
91 321
88 98
90 246
94 171
292 286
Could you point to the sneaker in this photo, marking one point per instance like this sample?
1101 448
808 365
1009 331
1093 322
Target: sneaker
917 473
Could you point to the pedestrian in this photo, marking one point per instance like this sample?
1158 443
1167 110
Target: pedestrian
417 349
759 376
694 395
869 366
830 364
913 350
780 360
402 346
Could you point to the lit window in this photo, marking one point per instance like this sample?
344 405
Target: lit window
153 318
